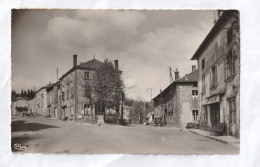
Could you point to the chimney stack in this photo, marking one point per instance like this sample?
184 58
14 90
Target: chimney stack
116 64
75 60
176 74
193 67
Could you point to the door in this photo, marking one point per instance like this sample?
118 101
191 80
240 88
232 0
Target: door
214 114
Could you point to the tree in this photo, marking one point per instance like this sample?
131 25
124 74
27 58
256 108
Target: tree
14 95
106 87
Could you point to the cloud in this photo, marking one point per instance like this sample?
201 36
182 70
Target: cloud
110 26
159 38
172 46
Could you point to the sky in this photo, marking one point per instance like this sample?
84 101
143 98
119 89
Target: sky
146 43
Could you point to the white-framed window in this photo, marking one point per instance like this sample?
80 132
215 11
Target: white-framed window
195 114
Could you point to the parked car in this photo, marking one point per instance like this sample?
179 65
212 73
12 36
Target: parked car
192 125
158 122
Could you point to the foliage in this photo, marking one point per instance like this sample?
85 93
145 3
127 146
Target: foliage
139 109
21 109
29 94
106 88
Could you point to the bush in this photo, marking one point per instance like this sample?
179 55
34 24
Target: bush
48 116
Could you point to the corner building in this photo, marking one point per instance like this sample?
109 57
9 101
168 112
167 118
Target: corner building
218 59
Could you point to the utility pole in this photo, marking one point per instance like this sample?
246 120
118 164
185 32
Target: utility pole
57 74
122 108
151 92
171 77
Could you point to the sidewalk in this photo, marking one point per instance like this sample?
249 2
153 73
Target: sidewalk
224 139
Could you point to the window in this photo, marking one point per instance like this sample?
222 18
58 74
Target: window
195 115
86 75
68 94
87 110
194 92
203 63
63 96
230 65
203 83
229 36
72 92
214 78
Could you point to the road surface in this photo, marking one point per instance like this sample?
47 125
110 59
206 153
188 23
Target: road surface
56 136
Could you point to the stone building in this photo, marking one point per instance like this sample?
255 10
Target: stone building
178 103
32 106
41 101
218 59
52 103
20 103
74 100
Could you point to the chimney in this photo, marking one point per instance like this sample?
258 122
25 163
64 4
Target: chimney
75 60
193 67
116 64
176 74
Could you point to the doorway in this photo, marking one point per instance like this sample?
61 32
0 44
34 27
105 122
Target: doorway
214 114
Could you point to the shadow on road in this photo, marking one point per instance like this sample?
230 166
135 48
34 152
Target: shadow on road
18 126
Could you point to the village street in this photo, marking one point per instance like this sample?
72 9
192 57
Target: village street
55 136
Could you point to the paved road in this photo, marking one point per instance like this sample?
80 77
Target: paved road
54 136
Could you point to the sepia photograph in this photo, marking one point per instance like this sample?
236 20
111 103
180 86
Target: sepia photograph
92 81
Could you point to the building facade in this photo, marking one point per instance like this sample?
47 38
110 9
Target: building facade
178 103
75 89
41 102
20 104
218 59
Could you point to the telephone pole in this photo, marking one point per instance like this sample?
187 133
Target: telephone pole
57 74
151 92
171 77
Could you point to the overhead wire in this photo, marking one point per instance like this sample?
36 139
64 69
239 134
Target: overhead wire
84 37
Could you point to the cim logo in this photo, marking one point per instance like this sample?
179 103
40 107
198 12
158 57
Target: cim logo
21 147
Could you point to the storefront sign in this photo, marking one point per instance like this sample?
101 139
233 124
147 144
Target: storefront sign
214 99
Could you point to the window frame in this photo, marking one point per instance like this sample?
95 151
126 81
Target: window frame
195 115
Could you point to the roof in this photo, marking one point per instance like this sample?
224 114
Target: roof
89 65
215 29
44 87
92 64
191 77
188 78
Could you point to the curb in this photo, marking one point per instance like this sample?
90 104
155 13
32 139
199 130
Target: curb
213 138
